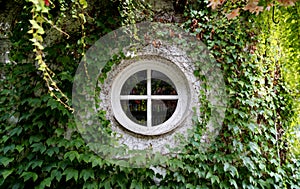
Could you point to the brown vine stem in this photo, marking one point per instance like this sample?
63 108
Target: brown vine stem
55 27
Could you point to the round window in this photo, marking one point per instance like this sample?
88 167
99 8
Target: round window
150 97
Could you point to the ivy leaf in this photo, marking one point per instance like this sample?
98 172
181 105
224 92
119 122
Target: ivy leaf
96 161
47 3
248 162
214 3
214 179
46 182
19 148
92 185
254 147
16 131
52 150
72 155
233 182
57 174
71 173
34 24
86 174
136 184
5 160
28 175
226 166
38 147
287 2
253 7
5 173
234 13
83 3
35 138
208 175
36 163
82 17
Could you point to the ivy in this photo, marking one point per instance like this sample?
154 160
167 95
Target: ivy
256 147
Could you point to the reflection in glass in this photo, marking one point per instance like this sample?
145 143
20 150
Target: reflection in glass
162 110
161 84
136 84
136 110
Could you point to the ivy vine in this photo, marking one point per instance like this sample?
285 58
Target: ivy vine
256 148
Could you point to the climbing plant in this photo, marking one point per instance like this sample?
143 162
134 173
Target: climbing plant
252 150
256 148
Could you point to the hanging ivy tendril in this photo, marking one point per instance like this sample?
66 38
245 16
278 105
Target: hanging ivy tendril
40 15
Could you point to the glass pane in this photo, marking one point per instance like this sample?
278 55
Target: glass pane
161 84
162 110
136 110
136 84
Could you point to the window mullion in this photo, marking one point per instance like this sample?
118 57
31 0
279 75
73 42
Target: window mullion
149 101
133 97
164 97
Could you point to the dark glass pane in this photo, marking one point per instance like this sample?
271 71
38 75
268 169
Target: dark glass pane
135 84
162 110
161 84
136 110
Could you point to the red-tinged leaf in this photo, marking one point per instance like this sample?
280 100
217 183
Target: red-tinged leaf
234 13
268 8
47 3
215 3
172 34
253 7
287 2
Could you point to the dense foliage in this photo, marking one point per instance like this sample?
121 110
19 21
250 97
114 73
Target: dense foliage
257 147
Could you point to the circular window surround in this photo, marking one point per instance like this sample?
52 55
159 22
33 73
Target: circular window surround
159 143
181 86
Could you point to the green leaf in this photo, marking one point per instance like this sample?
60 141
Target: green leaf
53 150
233 182
35 138
136 185
41 31
248 162
59 131
226 166
46 182
86 174
85 158
16 131
5 160
254 147
56 174
72 155
52 103
233 171
71 173
6 172
89 185
38 147
9 148
19 148
96 161
83 3
208 175
106 184
82 17
28 175
34 24
214 179
36 163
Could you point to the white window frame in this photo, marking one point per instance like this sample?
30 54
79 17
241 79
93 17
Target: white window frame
174 74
